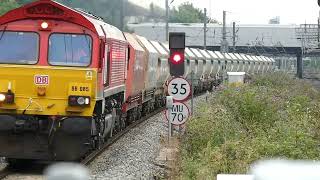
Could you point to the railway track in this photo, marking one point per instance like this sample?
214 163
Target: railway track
112 140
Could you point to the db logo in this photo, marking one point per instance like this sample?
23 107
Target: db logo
41 79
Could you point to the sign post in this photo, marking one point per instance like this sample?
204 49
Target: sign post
178 88
169 104
177 113
192 91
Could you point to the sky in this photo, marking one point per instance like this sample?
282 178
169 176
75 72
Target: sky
253 11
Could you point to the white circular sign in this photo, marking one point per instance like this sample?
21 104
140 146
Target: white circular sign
178 114
179 89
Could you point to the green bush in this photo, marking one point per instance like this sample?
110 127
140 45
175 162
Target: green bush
275 116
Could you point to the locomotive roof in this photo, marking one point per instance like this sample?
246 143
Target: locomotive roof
47 9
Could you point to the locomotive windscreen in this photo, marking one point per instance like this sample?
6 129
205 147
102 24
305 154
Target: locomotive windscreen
70 50
19 47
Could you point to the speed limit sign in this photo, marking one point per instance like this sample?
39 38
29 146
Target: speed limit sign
179 89
178 114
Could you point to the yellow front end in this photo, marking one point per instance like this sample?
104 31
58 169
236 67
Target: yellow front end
40 90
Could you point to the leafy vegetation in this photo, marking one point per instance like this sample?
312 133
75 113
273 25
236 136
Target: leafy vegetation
275 116
110 10
187 13
6 5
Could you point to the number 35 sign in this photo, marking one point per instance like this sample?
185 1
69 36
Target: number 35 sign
179 89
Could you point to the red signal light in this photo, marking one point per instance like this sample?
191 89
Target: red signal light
177 57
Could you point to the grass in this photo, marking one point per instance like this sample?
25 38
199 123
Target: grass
274 116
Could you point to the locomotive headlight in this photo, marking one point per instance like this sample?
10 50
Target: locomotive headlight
81 100
44 25
87 101
2 97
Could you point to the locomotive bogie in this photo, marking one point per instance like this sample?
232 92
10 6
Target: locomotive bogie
30 137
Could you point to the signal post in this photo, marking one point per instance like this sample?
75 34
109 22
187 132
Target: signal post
179 89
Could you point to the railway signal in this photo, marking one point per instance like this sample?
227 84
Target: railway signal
176 59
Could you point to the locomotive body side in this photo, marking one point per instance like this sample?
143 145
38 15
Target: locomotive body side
135 74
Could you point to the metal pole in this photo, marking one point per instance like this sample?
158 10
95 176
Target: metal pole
192 90
169 124
205 29
224 42
121 15
224 30
299 65
234 36
167 20
319 30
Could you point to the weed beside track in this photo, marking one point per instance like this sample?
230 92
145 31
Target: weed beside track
275 116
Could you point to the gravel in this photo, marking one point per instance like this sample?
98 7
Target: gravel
24 177
134 156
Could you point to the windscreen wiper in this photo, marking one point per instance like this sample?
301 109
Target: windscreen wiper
3 31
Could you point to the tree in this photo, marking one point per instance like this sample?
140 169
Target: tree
23 2
187 13
109 10
7 5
